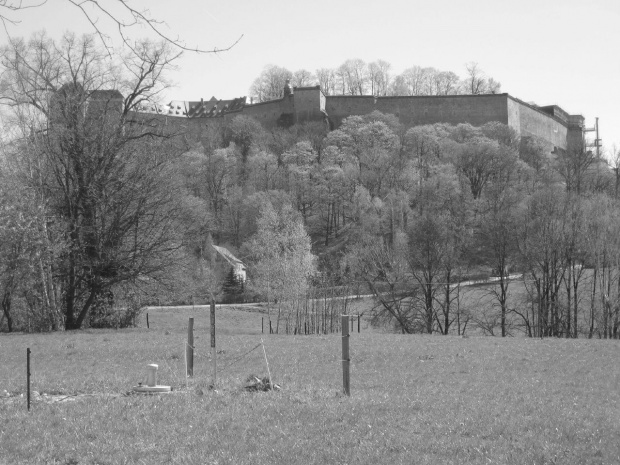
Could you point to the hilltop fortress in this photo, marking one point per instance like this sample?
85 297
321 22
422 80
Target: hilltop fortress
302 104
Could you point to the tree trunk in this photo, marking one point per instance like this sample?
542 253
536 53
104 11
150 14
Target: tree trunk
592 302
503 297
6 309
576 301
568 284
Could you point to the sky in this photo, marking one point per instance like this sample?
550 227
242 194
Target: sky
562 52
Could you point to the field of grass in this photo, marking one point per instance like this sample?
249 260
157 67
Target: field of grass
415 399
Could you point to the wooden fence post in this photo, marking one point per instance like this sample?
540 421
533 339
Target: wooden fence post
189 348
358 322
213 351
147 320
346 362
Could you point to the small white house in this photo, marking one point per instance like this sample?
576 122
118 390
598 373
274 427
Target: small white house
238 265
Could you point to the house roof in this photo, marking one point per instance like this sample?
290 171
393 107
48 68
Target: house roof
229 257
205 109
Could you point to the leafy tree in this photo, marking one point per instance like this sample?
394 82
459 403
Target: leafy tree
281 261
248 135
497 235
541 247
24 255
368 144
232 287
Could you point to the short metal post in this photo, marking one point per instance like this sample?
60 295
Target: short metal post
28 377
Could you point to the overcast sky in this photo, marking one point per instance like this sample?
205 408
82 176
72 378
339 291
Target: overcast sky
563 52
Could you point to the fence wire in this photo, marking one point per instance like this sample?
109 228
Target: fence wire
228 364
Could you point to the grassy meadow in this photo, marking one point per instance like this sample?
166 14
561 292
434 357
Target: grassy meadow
415 399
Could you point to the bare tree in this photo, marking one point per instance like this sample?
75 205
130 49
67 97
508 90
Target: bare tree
117 15
475 82
446 83
303 78
100 167
573 165
327 80
270 84
379 77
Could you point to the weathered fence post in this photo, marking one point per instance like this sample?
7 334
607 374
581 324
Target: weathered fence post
189 348
345 356
147 320
28 377
358 322
213 351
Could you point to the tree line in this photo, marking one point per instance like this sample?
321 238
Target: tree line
356 77
104 211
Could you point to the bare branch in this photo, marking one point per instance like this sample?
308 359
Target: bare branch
93 10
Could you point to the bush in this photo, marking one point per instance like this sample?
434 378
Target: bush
110 312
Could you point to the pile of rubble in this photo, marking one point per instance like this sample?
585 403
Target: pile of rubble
256 384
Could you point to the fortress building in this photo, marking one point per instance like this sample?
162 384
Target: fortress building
301 104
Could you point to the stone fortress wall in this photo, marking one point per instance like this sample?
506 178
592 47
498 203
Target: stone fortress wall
302 104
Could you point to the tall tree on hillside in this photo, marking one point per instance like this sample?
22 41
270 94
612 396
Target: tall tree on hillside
247 135
280 258
102 174
498 236
573 165
542 250
482 161
575 251
438 236
368 144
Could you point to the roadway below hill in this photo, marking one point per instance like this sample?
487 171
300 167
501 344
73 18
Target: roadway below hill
258 306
